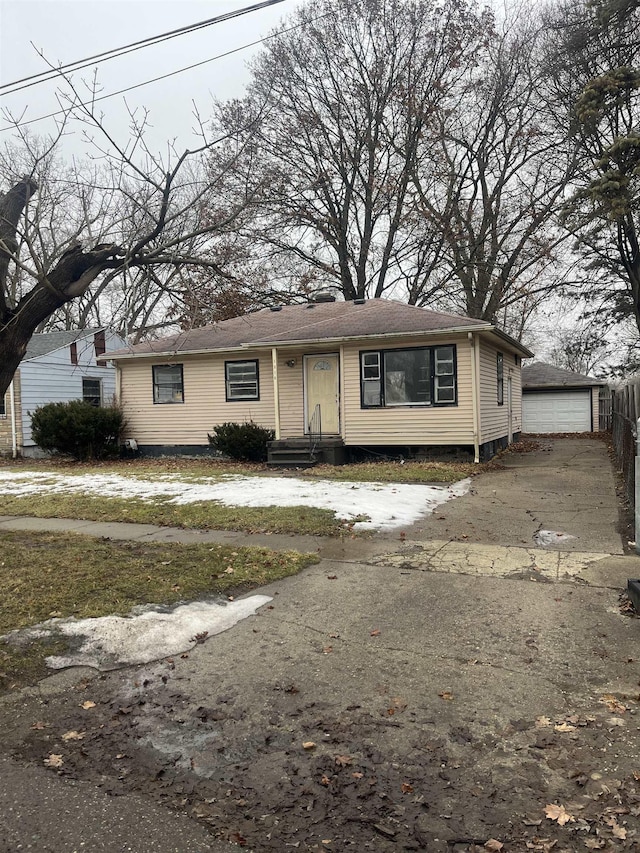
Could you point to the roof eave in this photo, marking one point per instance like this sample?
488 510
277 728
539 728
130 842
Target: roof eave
521 348
527 386
262 344
453 330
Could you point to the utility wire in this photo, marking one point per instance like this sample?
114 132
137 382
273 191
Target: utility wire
114 53
15 125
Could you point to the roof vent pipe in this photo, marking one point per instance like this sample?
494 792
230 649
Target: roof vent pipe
323 296
276 308
359 301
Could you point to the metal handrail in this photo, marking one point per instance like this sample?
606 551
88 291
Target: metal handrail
315 430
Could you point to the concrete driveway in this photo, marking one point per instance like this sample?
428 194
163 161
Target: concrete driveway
436 690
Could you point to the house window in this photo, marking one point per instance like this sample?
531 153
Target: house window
92 391
73 352
242 381
168 385
100 346
420 376
500 377
3 407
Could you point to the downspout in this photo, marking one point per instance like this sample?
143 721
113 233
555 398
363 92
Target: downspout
341 388
276 391
14 427
475 399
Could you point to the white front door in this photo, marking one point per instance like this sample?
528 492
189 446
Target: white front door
322 388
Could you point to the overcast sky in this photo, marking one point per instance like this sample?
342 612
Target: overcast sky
69 30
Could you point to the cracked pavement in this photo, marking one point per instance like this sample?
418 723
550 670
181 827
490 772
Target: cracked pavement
423 691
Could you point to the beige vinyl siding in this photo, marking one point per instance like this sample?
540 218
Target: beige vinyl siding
290 380
595 408
204 404
6 437
517 393
494 418
407 425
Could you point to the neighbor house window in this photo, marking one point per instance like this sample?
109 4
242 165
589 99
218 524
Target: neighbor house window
3 407
420 376
73 352
100 346
242 381
92 391
168 386
500 377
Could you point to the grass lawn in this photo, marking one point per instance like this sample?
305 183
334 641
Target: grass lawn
50 575
192 469
199 516
212 515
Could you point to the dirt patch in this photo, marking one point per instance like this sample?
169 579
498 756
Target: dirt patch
312 776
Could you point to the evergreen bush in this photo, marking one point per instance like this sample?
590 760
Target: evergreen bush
245 442
78 429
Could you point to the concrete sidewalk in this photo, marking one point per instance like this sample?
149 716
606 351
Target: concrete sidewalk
454 681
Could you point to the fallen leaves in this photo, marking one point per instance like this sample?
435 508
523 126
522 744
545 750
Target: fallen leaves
88 705
616 830
343 760
73 735
564 727
54 760
398 704
493 845
375 632
613 704
447 695
309 744
558 813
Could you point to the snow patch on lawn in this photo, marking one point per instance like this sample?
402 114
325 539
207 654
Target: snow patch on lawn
386 505
148 634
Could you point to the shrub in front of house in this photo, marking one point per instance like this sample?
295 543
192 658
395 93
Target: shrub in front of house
78 429
246 442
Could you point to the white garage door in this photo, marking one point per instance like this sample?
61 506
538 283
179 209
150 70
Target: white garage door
556 411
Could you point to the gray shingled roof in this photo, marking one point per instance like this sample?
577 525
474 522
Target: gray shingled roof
541 375
50 341
308 322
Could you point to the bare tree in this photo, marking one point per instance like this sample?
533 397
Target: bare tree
493 181
349 91
68 234
594 72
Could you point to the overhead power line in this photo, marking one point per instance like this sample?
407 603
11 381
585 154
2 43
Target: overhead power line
114 53
14 125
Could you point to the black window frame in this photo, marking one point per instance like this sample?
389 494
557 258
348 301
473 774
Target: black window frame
229 382
433 401
3 405
155 385
500 378
93 397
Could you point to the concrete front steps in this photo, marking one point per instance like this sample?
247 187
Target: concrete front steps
299 453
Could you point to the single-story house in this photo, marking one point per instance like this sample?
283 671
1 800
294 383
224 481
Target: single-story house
557 400
367 373
57 367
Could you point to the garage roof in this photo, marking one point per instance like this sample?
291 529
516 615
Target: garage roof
541 375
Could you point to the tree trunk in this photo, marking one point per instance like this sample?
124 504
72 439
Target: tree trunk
69 278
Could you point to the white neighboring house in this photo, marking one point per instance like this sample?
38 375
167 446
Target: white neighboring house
57 367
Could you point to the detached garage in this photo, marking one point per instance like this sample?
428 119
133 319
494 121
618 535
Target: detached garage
557 400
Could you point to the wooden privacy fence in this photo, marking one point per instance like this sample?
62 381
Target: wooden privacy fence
625 411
